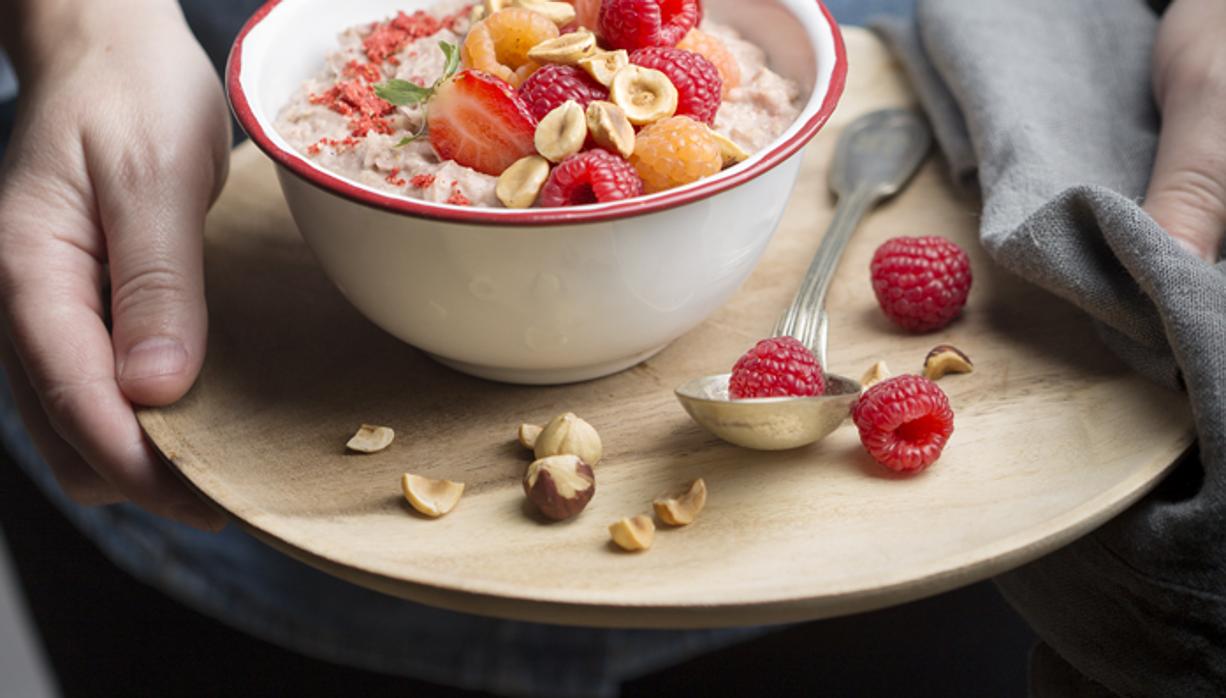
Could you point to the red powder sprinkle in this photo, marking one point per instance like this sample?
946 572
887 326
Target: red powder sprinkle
457 198
422 181
387 38
395 180
357 100
368 72
334 143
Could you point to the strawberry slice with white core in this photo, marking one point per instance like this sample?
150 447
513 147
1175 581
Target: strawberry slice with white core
478 121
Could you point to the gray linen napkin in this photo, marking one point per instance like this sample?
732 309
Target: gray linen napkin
1047 105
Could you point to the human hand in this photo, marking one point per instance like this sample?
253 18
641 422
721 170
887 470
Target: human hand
120 147
1187 191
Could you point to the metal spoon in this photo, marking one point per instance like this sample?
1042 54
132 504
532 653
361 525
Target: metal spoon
876 156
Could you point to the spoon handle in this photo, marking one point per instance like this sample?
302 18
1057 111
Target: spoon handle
805 319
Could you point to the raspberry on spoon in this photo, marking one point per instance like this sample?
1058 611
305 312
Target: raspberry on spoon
904 422
777 367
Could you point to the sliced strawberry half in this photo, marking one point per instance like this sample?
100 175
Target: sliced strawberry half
478 121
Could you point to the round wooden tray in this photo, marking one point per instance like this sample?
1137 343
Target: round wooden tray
1053 436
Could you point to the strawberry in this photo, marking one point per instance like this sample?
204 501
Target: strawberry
478 121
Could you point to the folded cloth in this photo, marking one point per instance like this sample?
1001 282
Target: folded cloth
1047 105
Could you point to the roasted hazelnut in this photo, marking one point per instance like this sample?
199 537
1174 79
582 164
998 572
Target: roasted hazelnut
568 434
644 94
432 498
561 133
603 65
520 184
945 359
567 49
682 509
634 533
874 375
371 439
560 486
527 435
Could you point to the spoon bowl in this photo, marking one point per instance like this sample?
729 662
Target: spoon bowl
876 156
768 423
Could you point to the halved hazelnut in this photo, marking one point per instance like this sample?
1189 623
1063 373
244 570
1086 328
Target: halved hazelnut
527 435
562 132
567 49
371 439
431 497
560 486
644 94
684 508
633 534
728 149
519 184
603 65
568 434
560 13
874 375
944 359
610 128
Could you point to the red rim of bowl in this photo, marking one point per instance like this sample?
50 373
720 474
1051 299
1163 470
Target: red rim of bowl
533 216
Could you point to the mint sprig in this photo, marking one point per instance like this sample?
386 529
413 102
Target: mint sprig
403 93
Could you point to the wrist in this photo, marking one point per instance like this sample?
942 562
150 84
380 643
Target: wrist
38 34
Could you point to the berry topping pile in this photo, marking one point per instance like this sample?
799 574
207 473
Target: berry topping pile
904 422
595 103
921 282
776 367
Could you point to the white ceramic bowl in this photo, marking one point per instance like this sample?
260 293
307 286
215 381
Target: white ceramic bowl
538 295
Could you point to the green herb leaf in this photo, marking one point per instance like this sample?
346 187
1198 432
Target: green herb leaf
452 52
402 92
409 139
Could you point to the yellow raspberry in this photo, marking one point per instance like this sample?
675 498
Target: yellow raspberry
711 48
499 43
675 151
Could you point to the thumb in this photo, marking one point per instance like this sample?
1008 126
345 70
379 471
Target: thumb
1187 191
155 249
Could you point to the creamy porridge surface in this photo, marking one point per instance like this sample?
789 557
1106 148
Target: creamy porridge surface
325 119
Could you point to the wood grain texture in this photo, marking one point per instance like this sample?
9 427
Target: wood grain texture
1053 435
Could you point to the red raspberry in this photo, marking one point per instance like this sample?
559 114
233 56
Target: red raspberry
593 176
904 422
632 24
697 80
776 367
552 85
921 282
